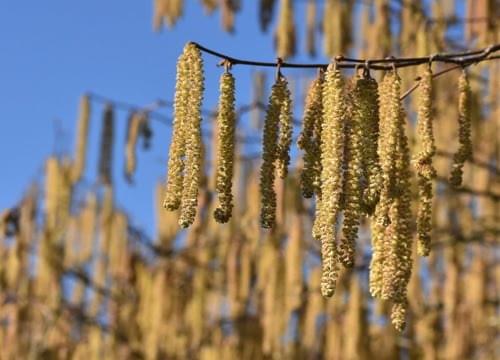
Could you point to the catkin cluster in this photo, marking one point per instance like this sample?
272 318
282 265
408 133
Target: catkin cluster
225 151
464 152
391 264
310 139
278 113
423 163
285 38
185 157
106 149
328 205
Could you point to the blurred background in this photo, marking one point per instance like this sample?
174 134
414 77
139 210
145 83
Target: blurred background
93 269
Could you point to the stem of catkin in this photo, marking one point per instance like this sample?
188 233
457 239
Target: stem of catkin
226 120
423 163
464 152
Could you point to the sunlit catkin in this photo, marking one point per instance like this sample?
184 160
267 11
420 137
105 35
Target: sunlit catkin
352 190
285 132
310 139
192 177
423 163
332 142
270 152
464 151
78 166
106 148
226 119
284 37
177 145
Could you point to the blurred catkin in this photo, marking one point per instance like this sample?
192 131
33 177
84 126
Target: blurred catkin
193 145
285 34
266 11
106 147
311 27
226 123
136 122
332 142
81 140
464 151
270 153
310 139
423 163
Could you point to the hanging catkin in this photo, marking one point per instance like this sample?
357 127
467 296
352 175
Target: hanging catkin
423 163
106 148
266 10
192 177
225 150
168 11
311 27
332 142
178 142
352 190
81 140
228 9
310 139
285 132
270 153
135 123
464 151
284 37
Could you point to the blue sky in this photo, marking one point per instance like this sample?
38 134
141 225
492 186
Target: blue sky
52 51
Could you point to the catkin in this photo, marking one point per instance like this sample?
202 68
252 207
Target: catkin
167 10
192 177
284 37
178 142
225 151
332 142
106 149
266 10
311 27
285 132
270 152
81 140
352 189
310 139
464 152
423 164
136 122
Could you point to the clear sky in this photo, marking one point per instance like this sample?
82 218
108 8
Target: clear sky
53 51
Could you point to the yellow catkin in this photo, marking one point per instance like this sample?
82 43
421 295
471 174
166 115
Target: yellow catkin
136 122
464 152
81 139
192 177
311 27
366 107
266 10
293 265
314 308
106 147
166 222
352 190
177 146
423 164
285 132
357 342
284 37
168 11
310 139
269 154
226 123
332 142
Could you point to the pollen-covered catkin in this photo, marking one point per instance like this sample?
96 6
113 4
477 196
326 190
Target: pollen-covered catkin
332 142
178 142
352 190
310 139
81 140
192 177
106 149
285 132
284 37
423 163
464 152
226 119
269 154
366 104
